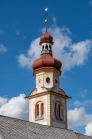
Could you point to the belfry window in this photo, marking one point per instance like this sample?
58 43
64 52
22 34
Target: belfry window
36 110
59 110
62 113
55 108
42 109
39 111
42 47
59 113
46 47
50 47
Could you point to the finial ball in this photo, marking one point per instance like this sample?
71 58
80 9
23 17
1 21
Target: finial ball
46 21
46 9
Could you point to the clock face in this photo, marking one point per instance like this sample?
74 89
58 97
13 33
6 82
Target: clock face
40 81
48 80
56 80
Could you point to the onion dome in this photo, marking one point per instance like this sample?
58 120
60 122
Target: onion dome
46 60
46 38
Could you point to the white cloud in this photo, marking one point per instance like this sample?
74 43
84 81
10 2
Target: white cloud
24 61
78 117
33 52
2 101
3 49
88 129
83 103
83 92
16 107
71 54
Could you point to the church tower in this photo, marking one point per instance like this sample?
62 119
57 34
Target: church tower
47 102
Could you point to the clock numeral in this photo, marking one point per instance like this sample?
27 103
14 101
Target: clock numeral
56 80
40 81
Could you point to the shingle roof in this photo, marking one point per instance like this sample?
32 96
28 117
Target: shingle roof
11 128
81 136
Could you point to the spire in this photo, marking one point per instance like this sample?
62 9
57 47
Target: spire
46 20
46 40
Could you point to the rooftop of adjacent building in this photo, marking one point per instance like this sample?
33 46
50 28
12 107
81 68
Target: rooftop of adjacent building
12 128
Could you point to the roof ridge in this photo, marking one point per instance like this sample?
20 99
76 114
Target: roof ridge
82 134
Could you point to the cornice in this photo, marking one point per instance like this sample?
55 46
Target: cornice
46 93
47 69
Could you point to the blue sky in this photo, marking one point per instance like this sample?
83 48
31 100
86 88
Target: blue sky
21 25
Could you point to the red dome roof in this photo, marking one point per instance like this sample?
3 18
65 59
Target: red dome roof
46 60
46 37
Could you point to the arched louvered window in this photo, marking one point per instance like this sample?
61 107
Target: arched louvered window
46 47
55 108
62 113
59 112
49 47
42 47
39 111
42 109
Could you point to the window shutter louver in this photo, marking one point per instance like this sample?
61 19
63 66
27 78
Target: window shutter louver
37 109
59 110
62 113
42 109
55 109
